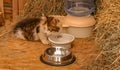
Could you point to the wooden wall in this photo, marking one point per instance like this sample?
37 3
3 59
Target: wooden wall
12 8
1 5
7 4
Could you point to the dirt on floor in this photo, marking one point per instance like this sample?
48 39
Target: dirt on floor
16 54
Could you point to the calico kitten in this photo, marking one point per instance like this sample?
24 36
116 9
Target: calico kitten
34 29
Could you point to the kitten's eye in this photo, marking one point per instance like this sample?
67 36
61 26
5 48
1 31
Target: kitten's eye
50 29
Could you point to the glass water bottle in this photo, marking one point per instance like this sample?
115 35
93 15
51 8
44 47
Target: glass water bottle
79 7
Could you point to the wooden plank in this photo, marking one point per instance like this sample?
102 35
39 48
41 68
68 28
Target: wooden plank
10 1
15 9
5 69
2 22
21 6
7 10
1 6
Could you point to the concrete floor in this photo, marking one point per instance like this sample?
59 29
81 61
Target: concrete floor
16 54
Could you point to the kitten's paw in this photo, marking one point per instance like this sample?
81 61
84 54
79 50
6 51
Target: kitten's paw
45 42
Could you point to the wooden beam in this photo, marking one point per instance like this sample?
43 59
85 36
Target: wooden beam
15 10
1 6
2 21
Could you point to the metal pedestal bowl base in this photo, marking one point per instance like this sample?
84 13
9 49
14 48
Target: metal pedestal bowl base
57 64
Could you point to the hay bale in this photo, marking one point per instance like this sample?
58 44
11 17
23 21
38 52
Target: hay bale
34 8
2 21
108 35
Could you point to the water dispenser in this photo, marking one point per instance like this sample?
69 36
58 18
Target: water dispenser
79 19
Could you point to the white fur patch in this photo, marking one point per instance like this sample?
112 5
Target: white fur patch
36 36
19 34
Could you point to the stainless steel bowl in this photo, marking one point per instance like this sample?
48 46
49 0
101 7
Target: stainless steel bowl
57 56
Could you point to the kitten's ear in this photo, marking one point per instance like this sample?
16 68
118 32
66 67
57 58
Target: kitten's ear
43 17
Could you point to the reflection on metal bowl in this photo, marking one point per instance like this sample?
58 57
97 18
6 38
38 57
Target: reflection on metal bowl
57 56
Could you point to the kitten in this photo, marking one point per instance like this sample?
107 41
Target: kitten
33 29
